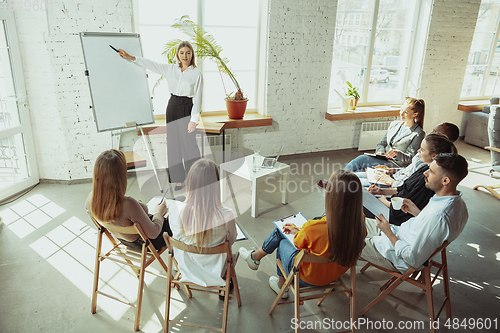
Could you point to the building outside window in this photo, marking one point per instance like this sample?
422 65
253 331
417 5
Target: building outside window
482 76
377 61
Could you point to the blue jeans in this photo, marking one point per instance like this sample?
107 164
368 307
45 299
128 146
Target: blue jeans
285 252
362 162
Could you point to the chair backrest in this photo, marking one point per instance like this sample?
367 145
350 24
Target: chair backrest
218 249
312 258
438 250
134 229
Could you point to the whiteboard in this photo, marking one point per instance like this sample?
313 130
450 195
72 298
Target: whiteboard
118 88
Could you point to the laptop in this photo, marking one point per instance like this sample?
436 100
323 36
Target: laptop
269 162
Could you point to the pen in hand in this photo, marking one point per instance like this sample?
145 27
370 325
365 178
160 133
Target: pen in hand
163 194
374 184
113 48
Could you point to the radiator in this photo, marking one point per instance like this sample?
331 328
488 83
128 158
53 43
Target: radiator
371 133
213 146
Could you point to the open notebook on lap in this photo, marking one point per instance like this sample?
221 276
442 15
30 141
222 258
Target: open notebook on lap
269 162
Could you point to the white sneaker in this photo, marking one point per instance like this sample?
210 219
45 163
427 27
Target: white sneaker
247 255
274 284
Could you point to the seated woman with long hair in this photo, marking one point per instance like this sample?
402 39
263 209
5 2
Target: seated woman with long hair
203 221
339 236
108 204
400 142
414 187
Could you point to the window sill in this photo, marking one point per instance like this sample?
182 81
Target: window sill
363 112
213 122
251 119
469 106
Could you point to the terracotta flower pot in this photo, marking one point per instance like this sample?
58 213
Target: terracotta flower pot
353 104
236 109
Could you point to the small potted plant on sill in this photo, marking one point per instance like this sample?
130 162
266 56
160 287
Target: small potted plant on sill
206 47
352 91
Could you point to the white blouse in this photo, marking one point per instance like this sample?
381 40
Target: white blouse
187 83
202 269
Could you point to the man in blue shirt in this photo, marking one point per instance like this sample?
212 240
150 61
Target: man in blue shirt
400 247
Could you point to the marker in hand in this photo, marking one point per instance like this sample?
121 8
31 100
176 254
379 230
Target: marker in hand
117 51
165 191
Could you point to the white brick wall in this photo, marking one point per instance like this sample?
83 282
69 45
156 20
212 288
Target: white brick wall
300 43
450 35
58 94
300 48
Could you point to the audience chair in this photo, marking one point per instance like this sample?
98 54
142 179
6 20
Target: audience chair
302 294
218 290
492 188
121 254
420 278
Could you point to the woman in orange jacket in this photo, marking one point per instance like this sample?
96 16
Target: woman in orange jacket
339 236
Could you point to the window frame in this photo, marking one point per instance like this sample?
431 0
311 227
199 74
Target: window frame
491 56
261 51
410 60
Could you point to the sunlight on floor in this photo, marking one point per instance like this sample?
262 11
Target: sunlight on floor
30 214
70 248
177 305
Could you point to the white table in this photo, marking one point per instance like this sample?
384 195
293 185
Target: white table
242 167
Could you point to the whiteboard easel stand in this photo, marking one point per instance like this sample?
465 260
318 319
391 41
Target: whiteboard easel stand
151 159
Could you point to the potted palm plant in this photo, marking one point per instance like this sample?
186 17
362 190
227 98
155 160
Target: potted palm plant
206 47
352 91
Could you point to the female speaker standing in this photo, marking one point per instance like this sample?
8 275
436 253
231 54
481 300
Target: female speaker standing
183 109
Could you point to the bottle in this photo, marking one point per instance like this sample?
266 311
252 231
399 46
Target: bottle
256 161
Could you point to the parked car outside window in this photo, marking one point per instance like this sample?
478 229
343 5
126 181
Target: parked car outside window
379 76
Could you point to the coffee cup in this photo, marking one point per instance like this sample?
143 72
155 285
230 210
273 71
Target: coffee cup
397 202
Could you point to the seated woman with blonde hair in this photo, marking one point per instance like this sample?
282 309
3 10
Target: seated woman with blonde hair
401 141
203 221
108 204
339 236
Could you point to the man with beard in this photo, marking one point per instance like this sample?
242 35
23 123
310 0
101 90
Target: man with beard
398 248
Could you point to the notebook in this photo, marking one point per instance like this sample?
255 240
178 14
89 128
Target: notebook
298 219
375 176
269 162
380 157
374 205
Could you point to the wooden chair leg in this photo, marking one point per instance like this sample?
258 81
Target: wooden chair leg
385 292
446 284
388 283
226 298
365 267
169 292
96 271
288 281
428 290
140 289
296 302
323 298
236 287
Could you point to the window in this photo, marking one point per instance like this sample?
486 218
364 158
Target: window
237 34
18 167
383 48
482 76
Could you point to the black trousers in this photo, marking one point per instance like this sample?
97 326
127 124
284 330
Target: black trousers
182 150
158 242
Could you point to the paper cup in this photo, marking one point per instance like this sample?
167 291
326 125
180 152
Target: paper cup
397 202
